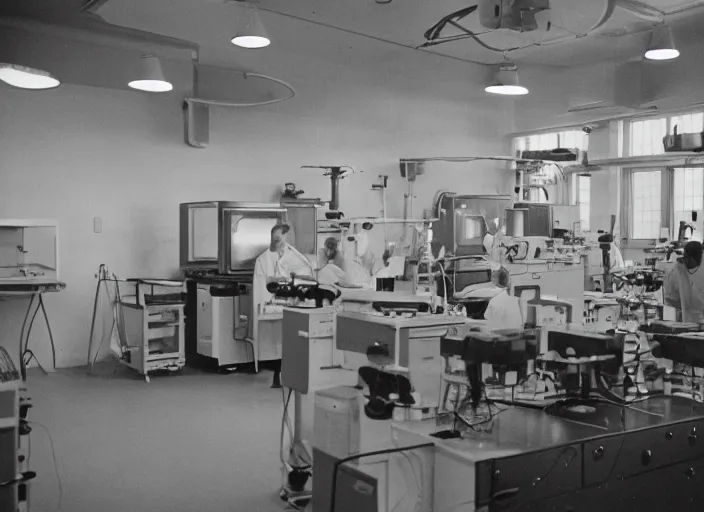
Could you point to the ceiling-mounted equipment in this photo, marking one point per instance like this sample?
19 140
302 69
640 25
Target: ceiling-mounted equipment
516 15
533 23
506 82
662 45
150 77
27 78
250 31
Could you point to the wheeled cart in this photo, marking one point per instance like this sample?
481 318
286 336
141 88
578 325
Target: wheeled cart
151 331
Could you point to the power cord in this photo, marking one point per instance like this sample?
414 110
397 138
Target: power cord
56 468
358 456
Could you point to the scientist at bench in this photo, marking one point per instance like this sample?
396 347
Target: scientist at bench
277 263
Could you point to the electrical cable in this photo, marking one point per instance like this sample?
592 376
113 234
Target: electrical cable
339 462
56 468
23 368
48 327
417 481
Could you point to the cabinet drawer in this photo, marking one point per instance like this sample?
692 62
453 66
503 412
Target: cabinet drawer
534 477
359 335
630 454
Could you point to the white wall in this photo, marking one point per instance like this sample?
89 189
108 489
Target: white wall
78 152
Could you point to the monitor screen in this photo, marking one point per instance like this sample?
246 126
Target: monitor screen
250 236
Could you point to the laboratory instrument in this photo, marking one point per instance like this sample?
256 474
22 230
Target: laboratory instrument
15 430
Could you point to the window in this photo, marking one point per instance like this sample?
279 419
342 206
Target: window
646 209
585 183
647 134
688 194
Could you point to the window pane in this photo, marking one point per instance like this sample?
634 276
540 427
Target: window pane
688 194
647 135
687 123
646 209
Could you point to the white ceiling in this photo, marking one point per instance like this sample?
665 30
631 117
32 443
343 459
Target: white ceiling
334 30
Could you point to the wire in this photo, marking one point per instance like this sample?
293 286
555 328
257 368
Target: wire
56 468
418 482
23 368
357 456
48 327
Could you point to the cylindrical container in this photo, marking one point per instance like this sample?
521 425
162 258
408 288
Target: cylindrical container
515 221
416 413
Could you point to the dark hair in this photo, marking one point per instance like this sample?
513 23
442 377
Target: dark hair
284 228
694 250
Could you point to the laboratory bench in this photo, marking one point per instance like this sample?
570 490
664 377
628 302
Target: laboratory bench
646 456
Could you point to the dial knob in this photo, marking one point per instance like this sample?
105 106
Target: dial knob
668 436
598 453
689 473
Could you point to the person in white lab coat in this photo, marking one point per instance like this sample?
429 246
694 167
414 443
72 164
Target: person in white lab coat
278 263
684 284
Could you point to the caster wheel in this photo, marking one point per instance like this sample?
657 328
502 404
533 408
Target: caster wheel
147 378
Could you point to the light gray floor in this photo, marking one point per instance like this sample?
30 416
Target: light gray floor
190 442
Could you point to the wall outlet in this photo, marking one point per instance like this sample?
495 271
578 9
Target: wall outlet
97 225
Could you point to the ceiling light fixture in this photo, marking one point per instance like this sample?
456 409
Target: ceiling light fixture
506 82
662 45
27 78
151 77
250 32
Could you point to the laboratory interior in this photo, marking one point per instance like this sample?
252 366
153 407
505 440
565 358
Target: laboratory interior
343 256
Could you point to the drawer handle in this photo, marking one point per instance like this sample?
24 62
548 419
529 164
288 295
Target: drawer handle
598 453
505 494
668 436
646 457
693 436
689 473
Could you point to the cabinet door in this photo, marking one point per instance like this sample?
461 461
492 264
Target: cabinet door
205 315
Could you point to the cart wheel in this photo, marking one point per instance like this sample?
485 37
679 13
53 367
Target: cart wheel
146 377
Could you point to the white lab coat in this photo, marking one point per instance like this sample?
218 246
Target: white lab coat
269 266
504 312
684 290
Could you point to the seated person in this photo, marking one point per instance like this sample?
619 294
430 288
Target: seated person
329 253
277 263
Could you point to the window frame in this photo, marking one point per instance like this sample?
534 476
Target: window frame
627 184
667 116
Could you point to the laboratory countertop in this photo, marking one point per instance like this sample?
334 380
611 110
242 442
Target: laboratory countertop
422 320
519 430
30 286
367 295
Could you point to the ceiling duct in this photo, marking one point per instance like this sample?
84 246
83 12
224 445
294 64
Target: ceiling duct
610 89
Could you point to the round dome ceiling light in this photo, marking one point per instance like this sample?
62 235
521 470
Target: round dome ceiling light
506 82
151 77
662 45
23 77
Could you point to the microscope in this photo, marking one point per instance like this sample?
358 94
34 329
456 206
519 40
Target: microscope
492 358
